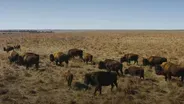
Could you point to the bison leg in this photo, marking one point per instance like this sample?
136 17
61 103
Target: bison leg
117 73
96 89
112 86
141 77
137 62
165 77
129 62
100 89
56 62
169 76
121 71
27 66
182 77
116 84
37 66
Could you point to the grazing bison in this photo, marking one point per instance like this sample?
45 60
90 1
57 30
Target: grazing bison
100 79
8 48
111 65
135 71
87 58
13 57
154 60
69 77
29 59
75 52
169 69
59 57
129 57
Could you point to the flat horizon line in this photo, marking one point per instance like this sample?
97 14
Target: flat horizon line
97 29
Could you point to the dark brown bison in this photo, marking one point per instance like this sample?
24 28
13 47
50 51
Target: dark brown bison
69 78
129 57
111 65
75 52
154 60
59 57
8 48
29 59
87 58
169 69
135 71
13 56
100 79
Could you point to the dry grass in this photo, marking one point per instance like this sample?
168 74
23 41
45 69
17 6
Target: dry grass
48 86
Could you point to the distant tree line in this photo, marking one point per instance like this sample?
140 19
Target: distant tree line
29 31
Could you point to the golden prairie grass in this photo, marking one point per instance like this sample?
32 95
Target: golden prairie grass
48 85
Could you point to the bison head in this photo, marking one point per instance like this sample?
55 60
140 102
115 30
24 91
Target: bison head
145 62
89 79
126 71
163 60
51 57
159 70
101 65
123 59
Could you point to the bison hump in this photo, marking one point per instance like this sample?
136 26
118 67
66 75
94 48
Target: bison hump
58 54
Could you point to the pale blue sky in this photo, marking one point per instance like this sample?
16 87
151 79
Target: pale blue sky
91 14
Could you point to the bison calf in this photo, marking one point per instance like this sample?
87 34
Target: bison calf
87 58
59 57
69 78
100 79
135 71
111 65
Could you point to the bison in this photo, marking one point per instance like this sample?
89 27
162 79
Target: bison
29 59
8 48
129 57
75 52
87 58
59 57
111 65
169 69
101 78
154 60
135 71
69 77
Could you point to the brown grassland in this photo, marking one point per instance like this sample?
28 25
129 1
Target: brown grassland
48 86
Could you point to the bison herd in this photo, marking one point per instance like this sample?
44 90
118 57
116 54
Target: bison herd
113 67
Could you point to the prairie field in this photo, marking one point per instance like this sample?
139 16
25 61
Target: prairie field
48 86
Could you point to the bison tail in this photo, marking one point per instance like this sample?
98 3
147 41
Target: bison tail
121 68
